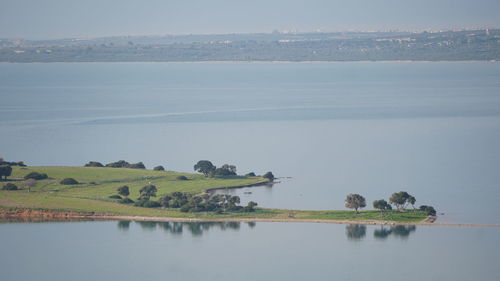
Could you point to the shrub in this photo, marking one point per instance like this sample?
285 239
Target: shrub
36 176
138 165
118 164
115 196
428 209
5 171
251 174
10 186
68 181
123 190
182 178
269 176
147 204
94 164
159 168
126 201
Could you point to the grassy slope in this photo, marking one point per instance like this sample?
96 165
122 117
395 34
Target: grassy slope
93 197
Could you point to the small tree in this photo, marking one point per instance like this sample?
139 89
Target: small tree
355 201
269 176
147 191
205 167
123 191
412 201
159 168
381 205
251 174
30 183
5 171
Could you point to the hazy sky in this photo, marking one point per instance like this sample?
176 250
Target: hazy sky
90 18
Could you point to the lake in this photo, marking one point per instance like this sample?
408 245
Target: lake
328 129
245 251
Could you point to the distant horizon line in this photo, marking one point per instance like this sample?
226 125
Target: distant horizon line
276 31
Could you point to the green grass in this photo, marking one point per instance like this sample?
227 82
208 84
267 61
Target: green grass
97 184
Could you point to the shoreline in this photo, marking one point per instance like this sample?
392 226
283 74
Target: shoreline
55 216
253 61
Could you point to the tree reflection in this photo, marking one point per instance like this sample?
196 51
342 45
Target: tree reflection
176 228
123 225
401 231
355 231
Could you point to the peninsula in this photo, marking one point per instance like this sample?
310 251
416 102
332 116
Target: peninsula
97 192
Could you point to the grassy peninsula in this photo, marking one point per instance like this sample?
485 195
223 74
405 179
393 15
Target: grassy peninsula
97 184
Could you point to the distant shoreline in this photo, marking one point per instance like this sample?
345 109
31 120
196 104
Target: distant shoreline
256 61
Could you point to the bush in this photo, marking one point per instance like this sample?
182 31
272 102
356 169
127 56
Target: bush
69 181
251 174
94 164
115 197
428 209
118 164
36 176
126 201
10 186
182 178
159 168
269 176
139 165
147 204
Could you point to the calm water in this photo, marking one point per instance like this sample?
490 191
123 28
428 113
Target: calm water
240 251
432 129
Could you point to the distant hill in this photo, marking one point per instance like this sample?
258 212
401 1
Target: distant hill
343 46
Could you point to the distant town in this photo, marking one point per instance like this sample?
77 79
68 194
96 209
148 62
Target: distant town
462 45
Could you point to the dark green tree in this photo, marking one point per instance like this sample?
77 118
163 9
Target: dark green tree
381 205
5 171
159 168
400 199
269 176
147 191
205 167
123 191
355 201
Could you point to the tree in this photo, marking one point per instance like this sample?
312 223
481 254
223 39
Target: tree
5 171
381 205
159 168
226 170
123 191
355 201
400 199
30 183
269 176
147 191
251 174
205 167
412 201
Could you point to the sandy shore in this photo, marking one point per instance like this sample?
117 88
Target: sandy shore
41 215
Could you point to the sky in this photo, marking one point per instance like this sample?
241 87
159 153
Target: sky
51 19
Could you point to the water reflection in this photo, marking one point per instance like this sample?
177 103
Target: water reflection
176 228
357 232
123 225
